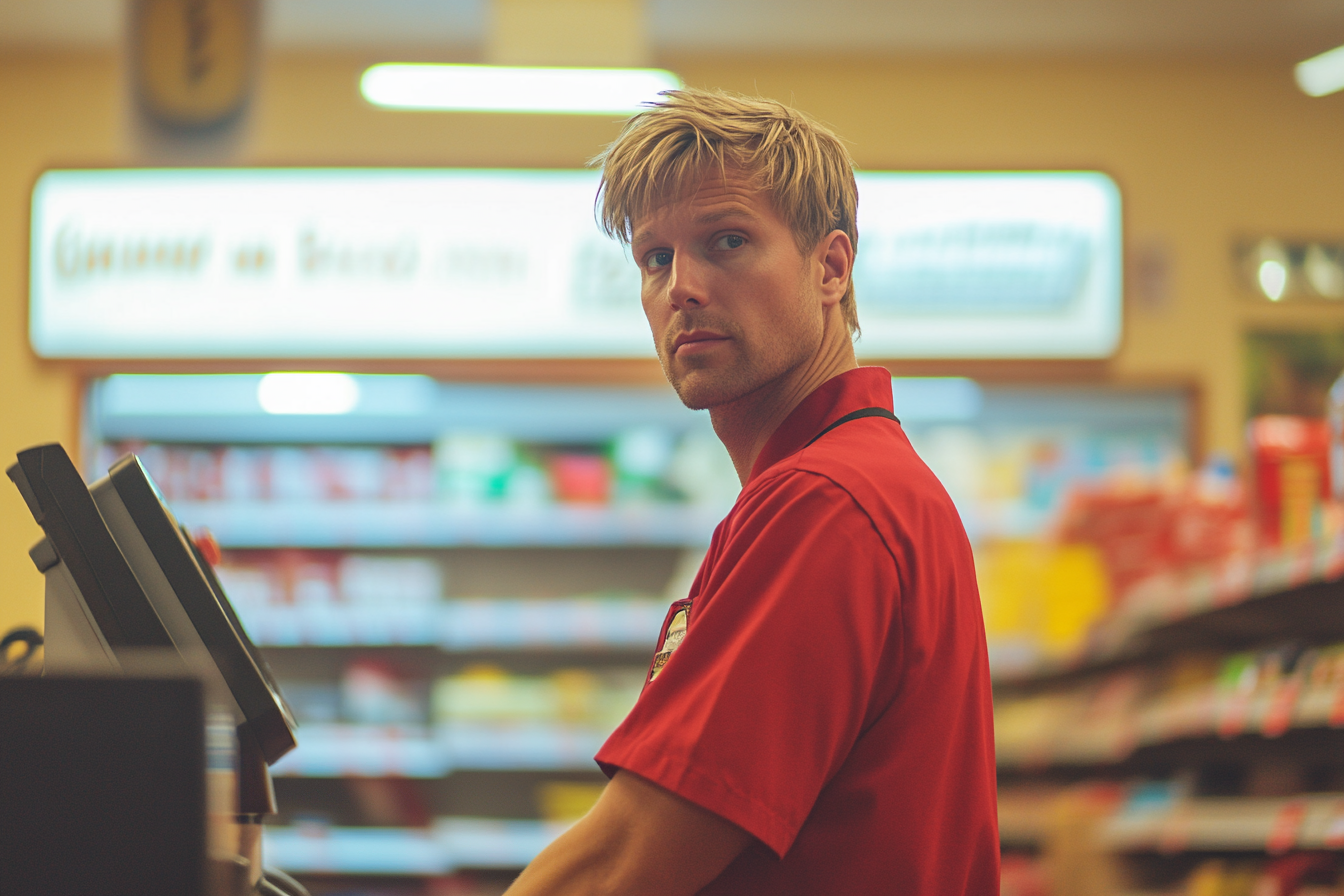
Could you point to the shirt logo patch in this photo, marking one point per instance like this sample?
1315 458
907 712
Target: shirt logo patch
676 633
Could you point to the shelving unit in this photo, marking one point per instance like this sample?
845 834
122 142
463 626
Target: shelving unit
530 588
462 625
1114 761
1166 612
424 524
453 843
335 750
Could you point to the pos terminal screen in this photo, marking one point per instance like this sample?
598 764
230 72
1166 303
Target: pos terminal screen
143 582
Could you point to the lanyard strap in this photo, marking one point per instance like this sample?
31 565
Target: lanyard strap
855 415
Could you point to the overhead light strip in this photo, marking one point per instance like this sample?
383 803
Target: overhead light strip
497 88
1323 74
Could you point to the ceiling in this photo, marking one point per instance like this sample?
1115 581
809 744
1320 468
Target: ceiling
1286 28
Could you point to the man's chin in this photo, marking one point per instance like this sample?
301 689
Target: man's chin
700 392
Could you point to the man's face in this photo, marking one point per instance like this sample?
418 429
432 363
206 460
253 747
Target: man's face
731 301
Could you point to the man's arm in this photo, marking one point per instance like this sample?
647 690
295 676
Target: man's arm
638 839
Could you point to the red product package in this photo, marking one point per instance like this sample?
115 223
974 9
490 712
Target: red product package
1131 529
581 478
1291 473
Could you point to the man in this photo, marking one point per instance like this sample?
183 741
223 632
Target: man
817 716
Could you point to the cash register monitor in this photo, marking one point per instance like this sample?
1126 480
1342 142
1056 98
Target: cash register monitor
123 575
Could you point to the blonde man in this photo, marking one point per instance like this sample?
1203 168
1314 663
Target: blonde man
817 715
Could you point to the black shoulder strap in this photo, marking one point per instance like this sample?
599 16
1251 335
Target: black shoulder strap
855 415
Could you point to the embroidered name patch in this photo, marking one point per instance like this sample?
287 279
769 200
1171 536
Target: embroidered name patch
674 632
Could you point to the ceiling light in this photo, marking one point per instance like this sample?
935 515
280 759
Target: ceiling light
308 393
1273 277
1321 74
497 88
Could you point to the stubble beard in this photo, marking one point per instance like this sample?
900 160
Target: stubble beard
704 383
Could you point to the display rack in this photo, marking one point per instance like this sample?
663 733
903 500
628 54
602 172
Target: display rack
453 843
530 587
1112 756
424 524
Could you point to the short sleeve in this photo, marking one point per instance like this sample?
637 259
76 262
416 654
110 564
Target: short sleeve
796 612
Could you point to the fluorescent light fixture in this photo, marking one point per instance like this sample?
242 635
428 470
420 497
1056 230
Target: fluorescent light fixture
308 393
1321 74
497 88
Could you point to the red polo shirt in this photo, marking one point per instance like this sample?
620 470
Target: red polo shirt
825 685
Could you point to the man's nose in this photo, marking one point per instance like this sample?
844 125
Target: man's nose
686 286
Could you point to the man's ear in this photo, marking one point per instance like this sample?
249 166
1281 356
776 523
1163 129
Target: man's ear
835 257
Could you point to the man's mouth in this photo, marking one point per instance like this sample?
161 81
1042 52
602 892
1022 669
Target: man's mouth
696 341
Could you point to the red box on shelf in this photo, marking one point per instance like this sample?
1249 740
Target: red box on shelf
1291 473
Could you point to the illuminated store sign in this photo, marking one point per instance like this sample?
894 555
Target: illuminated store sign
360 263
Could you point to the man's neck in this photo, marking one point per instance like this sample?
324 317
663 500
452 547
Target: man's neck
745 425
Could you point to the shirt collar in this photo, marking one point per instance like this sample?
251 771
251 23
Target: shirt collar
863 387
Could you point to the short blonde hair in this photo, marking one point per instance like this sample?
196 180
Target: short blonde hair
664 153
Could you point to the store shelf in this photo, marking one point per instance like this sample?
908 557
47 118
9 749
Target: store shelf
1223 602
334 625
412 524
462 625
526 745
332 751
314 849
495 843
1228 824
506 623
1024 815
451 844
1075 743
1155 818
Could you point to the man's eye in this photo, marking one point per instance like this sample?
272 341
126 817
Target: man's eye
657 260
730 241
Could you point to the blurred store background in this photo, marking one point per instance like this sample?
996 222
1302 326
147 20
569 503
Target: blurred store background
1102 256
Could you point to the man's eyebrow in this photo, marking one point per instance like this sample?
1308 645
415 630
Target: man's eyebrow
732 212
707 218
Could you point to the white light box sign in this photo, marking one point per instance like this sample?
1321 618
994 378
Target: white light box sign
367 263
993 265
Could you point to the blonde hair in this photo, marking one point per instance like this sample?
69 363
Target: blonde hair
664 153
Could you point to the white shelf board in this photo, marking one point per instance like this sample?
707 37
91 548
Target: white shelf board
495 843
452 843
459 625
313 849
336 750
525 745
409 524
1250 824
337 625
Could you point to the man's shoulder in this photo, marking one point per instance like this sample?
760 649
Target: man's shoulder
870 467
871 459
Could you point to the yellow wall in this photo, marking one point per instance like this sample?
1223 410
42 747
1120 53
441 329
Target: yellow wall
1204 151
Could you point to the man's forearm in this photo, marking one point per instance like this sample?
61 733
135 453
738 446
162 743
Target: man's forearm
581 861
639 840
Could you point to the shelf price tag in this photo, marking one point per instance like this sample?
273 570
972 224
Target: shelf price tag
1287 824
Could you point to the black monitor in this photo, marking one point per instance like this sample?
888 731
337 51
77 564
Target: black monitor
123 575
